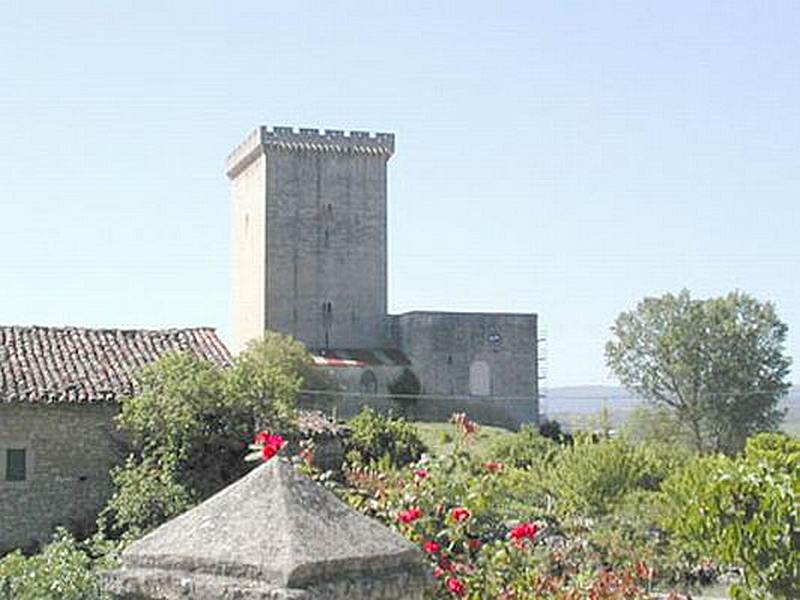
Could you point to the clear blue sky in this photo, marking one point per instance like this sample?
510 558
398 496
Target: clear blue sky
566 158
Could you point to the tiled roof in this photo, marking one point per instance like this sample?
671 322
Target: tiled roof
78 365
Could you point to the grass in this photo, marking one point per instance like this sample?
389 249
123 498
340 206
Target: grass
438 437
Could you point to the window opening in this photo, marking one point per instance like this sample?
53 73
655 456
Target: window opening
16 467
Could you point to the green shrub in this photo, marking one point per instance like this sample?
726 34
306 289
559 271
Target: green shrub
743 512
146 496
480 551
63 570
525 449
591 477
376 438
657 424
552 429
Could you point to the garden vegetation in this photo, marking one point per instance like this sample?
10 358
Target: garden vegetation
700 490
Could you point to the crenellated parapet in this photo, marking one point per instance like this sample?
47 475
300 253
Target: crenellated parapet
304 139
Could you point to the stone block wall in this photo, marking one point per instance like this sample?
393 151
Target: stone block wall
309 236
478 360
69 452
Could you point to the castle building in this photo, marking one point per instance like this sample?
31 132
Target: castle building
309 234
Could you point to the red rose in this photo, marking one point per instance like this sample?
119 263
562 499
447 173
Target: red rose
410 515
272 444
456 586
474 544
431 547
526 531
421 474
460 514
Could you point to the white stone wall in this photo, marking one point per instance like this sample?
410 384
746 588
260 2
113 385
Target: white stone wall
248 231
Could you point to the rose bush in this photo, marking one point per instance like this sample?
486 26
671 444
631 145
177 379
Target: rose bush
494 530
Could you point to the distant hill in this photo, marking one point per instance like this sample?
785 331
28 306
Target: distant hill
577 405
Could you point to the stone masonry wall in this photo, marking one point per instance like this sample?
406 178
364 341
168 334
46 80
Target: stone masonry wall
326 247
310 246
248 231
70 450
483 363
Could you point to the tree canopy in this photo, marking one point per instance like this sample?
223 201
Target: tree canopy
190 423
719 363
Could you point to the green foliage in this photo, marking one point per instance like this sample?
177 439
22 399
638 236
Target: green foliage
657 424
525 449
718 363
146 495
591 478
550 428
743 512
479 551
191 422
376 437
62 571
268 375
779 451
406 386
441 439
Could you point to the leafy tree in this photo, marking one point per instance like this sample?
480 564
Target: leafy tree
718 363
190 424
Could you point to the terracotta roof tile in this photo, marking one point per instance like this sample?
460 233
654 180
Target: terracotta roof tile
79 365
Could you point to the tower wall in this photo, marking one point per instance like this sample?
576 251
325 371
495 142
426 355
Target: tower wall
248 239
309 212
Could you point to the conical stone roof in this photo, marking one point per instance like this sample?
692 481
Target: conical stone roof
274 529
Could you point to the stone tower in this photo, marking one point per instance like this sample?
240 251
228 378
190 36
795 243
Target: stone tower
309 236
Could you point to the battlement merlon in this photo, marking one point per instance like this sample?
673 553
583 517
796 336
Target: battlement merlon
306 140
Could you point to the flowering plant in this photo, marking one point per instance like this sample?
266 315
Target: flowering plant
489 530
265 446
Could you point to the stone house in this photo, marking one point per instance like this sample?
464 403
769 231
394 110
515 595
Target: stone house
60 388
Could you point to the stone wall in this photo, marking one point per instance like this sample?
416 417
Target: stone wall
310 248
444 349
248 231
485 363
510 414
69 450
